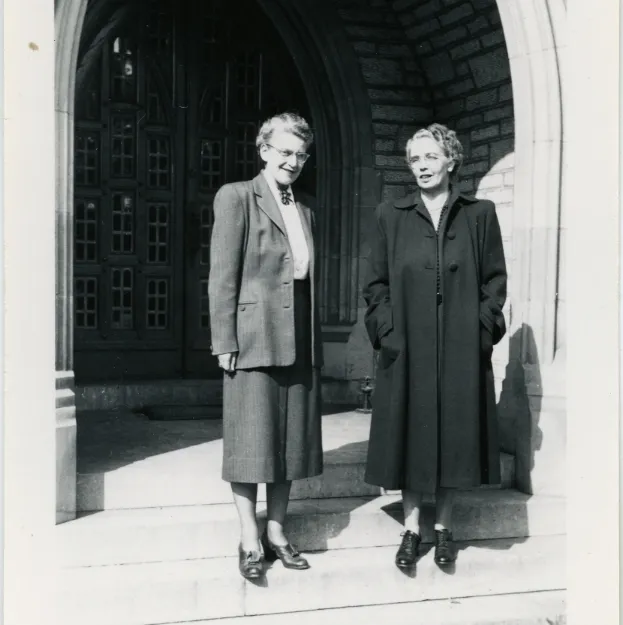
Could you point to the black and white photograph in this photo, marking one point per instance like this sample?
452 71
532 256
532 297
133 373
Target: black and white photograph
289 283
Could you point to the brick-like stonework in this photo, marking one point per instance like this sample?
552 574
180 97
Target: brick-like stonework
425 61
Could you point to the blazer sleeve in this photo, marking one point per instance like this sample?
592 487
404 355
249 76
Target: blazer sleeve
226 258
493 277
378 317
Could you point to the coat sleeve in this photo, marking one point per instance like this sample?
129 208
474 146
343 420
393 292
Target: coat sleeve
493 277
376 293
226 257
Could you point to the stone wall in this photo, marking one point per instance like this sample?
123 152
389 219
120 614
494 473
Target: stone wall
424 61
460 46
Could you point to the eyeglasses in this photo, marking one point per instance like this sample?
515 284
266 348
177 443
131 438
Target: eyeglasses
301 157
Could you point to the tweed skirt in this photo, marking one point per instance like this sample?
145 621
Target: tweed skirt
272 415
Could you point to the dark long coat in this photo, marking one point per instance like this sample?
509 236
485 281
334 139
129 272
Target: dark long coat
434 416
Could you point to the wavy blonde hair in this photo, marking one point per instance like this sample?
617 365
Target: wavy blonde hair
446 139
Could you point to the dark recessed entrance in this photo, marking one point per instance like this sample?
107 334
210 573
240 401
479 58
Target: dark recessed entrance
169 96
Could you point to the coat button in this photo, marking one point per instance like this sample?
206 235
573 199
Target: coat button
243 308
451 235
453 266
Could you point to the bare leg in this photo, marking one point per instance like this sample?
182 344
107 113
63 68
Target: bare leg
412 504
277 496
445 499
245 498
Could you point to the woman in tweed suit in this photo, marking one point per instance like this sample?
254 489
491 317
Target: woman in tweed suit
266 334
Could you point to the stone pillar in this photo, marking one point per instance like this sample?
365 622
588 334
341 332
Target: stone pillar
534 384
28 300
69 16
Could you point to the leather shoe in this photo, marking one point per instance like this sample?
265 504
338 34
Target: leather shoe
445 550
250 563
408 550
288 554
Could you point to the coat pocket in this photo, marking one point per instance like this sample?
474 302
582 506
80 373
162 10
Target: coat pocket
391 347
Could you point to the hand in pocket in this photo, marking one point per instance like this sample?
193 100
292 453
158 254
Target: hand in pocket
391 346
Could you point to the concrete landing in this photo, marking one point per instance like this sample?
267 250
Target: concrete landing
127 461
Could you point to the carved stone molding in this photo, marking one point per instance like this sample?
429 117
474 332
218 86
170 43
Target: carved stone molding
533 29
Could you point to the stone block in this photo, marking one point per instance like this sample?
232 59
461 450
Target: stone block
393 191
385 130
509 178
503 112
500 149
394 176
448 110
369 33
381 71
506 92
414 80
484 5
469 122
394 112
394 50
480 151
462 69
422 30
478 25
457 14
492 39
393 95
439 68
494 15
385 160
364 47
425 10
465 49
424 48
482 99
467 185
497 196
361 15
406 18
507 127
487 132
401 5
477 167
490 68
384 145
492 181
446 38
459 88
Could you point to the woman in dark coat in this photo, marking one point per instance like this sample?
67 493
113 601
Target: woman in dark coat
435 292
266 334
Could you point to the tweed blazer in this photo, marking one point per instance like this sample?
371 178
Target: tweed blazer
251 284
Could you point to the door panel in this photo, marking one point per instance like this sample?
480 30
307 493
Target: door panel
168 104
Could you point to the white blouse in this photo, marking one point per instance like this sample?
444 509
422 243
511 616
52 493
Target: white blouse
294 230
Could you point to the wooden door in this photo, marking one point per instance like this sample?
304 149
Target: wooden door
168 104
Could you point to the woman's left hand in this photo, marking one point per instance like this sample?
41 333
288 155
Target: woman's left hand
228 361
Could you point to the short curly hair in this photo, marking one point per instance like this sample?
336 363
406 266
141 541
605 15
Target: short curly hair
447 141
288 122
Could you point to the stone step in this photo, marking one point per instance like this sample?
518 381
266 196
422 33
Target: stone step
190 532
182 591
125 461
530 608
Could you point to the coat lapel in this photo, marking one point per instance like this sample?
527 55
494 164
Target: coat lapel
305 214
266 202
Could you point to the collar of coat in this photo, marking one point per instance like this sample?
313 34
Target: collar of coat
414 200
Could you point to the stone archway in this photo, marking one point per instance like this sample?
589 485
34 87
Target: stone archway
345 165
